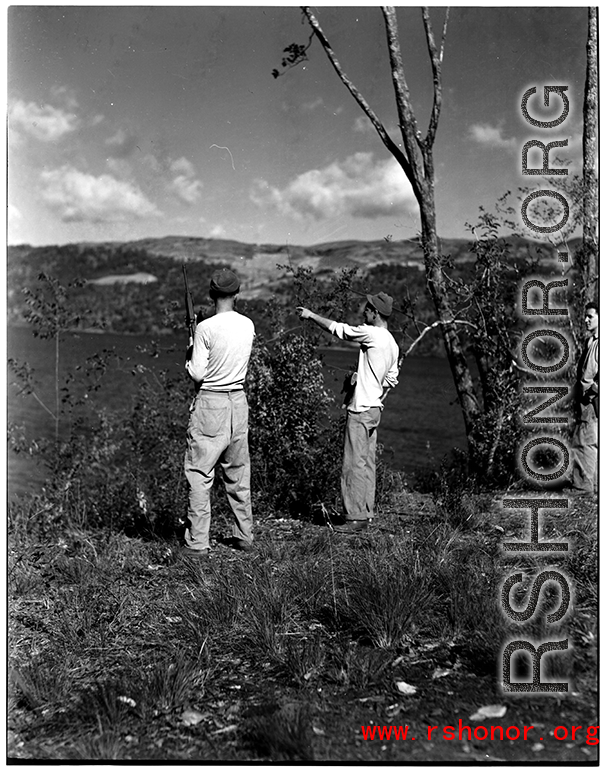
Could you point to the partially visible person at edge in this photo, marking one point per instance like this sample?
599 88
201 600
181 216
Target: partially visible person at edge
218 426
377 373
584 446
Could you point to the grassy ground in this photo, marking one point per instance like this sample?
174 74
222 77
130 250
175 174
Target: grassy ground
120 649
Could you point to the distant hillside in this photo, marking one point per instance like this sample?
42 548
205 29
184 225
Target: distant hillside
258 264
136 287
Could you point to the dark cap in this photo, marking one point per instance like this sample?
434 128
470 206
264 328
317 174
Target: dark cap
382 303
225 282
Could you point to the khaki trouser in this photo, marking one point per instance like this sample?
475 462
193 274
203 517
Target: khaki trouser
358 468
584 450
218 434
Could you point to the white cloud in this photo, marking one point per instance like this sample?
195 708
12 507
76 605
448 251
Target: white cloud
491 137
358 186
46 123
65 95
78 196
152 162
217 231
14 221
14 214
188 190
362 124
310 106
183 165
119 167
185 185
121 144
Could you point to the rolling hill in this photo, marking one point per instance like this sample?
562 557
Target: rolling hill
136 287
258 265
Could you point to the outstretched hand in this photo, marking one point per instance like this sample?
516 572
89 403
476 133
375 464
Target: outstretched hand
303 313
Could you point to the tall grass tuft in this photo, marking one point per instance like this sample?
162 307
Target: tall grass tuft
303 659
281 732
171 684
44 683
386 590
270 611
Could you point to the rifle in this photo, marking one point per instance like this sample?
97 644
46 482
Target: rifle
190 315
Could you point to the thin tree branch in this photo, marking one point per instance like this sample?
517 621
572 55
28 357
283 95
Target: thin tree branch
31 392
444 34
389 143
430 328
436 71
283 333
44 406
408 123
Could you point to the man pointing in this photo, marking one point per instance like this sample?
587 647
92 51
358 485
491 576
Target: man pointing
377 373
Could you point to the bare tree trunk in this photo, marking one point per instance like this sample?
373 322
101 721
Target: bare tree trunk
56 386
589 247
417 162
463 381
420 156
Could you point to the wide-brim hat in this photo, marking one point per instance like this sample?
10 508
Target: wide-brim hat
382 303
225 281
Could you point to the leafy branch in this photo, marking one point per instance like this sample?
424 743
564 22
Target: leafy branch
296 54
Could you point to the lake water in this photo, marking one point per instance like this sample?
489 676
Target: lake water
421 421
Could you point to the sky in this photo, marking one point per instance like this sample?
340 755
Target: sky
127 122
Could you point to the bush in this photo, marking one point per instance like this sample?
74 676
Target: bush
295 443
123 470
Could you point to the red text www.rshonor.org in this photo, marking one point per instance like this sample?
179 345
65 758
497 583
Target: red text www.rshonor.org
481 733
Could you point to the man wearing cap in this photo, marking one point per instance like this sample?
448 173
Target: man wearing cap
584 446
218 426
377 373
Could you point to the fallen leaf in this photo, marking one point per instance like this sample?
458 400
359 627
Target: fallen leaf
227 729
405 688
192 717
126 700
438 672
493 710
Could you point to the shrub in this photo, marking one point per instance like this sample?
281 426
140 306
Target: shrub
295 443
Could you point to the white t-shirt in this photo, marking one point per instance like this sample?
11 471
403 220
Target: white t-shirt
222 346
377 362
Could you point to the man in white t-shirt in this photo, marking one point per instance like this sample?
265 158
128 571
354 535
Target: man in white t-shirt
218 427
377 373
